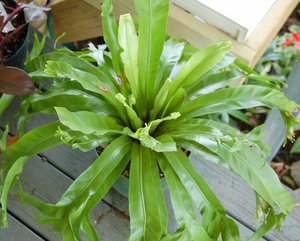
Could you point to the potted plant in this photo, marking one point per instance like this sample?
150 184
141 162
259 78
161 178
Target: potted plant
13 50
14 39
129 102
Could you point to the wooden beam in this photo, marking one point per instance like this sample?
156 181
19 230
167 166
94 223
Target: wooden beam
183 25
17 230
77 19
264 33
239 199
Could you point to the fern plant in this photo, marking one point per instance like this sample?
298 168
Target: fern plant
129 102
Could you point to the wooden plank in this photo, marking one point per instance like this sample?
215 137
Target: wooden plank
47 185
264 33
122 204
44 182
183 25
77 19
237 18
17 232
238 199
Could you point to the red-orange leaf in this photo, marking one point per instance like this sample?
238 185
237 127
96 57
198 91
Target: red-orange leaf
11 140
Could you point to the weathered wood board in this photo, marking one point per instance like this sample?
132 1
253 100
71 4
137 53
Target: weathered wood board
18 232
183 25
77 19
239 200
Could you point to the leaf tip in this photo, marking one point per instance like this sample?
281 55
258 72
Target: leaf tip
4 223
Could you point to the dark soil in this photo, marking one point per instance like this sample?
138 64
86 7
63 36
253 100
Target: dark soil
284 155
282 162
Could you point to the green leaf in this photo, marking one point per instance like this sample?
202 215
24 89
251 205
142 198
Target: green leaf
3 138
200 192
77 63
160 99
184 233
110 33
226 61
148 213
76 139
175 102
36 49
244 161
143 134
71 211
296 147
166 144
198 188
237 98
153 16
88 81
68 94
244 66
5 101
132 115
267 225
188 225
268 81
11 177
88 122
200 63
91 180
212 83
32 143
241 97
240 116
202 152
72 99
88 228
211 222
170 56
230 231
128 40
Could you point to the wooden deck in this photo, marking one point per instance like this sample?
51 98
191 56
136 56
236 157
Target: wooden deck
48 175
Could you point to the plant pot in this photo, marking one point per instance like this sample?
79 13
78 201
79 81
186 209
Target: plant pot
18 58
122 185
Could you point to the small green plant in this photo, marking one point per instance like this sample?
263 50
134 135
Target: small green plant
281 55
129 102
